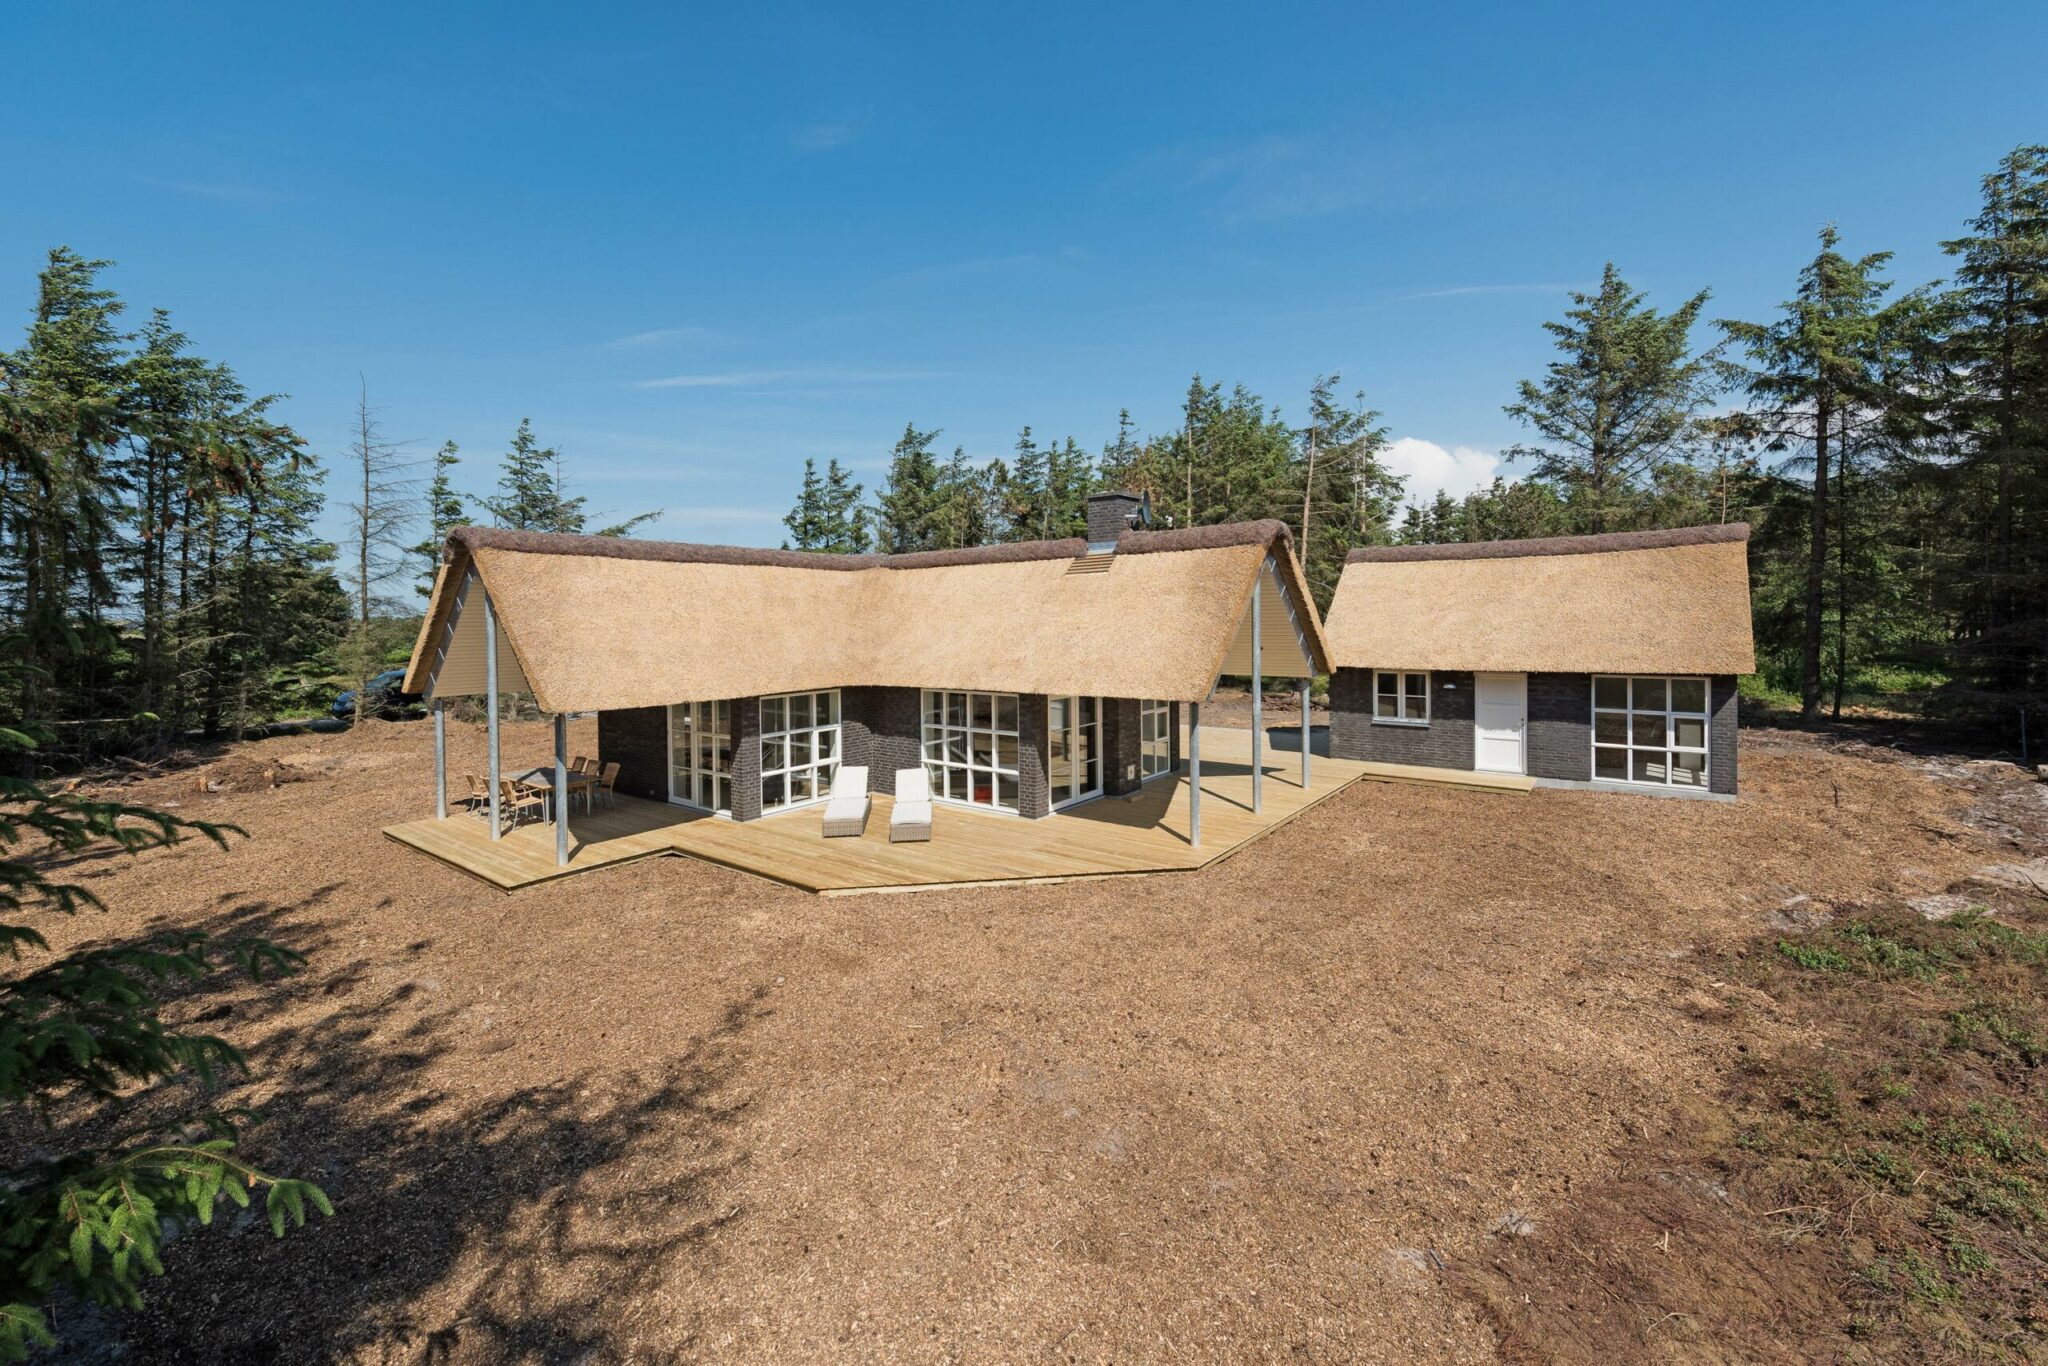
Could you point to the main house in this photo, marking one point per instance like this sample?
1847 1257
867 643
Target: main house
1580 661
1023 678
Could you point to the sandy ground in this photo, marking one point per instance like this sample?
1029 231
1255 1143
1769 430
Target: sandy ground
669 1110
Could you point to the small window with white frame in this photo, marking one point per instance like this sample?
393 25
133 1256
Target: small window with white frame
1651 731
1400 699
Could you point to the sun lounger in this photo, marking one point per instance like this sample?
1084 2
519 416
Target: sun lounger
847 812
911 817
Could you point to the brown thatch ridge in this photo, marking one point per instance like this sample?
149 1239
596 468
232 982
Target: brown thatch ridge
1661 602
596 622
1553 545
474 538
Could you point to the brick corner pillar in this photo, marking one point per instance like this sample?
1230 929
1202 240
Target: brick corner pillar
1034 795
746 758
1175 713
1121 744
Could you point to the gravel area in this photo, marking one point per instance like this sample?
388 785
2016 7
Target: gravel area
669 1110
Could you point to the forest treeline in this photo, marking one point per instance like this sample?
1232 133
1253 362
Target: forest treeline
160 571
1889 446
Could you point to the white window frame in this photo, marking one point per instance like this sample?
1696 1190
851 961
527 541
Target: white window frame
819 771
1087 734
721 748
1629 748
1155 738
935 737
1401 678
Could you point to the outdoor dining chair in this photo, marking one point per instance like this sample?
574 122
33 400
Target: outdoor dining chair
518 799
608 782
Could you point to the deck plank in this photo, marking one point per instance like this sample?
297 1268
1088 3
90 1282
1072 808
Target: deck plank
1143 833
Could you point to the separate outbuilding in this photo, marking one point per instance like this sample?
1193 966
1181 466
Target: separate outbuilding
1581 661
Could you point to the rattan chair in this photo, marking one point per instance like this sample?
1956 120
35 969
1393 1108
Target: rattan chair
517 799
608 782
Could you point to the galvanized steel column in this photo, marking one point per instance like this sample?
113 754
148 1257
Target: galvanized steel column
561 789
491 703
440 759
1257 716
1195 773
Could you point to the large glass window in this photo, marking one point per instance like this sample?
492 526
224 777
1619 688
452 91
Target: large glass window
1650 730
799 748
700 754
970 747
1155 738
1400 698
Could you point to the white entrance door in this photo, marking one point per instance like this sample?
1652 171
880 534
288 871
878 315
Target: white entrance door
1500 718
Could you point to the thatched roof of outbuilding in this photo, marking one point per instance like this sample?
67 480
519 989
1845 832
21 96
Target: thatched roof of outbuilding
608 622
1632 602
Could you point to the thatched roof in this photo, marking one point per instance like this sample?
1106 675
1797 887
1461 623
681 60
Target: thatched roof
605 622
1634 602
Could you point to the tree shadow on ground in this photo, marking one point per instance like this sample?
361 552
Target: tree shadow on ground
475 1219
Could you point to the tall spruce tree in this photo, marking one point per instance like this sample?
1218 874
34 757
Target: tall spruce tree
846 515
1620 404
1348 495
911 511
527 498
1996 417
1816 377
446 510
807 521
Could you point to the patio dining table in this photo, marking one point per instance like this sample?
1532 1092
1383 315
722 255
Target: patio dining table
544 778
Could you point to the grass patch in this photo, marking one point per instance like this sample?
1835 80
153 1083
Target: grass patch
1917 1134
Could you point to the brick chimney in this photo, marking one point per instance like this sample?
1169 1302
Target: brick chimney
1110 515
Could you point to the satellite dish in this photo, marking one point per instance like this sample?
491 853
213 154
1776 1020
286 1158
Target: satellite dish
1144 513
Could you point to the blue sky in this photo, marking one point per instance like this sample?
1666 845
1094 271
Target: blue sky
697 244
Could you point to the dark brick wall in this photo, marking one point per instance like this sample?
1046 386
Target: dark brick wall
746 758
1173 715
1120 746
637 740
1560 732
1446 742
1109 515
1721 735
880 728
1034 792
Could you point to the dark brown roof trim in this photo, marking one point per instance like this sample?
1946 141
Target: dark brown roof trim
1553 545
473 538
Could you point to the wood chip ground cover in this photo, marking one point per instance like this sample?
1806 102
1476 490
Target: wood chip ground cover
669 1110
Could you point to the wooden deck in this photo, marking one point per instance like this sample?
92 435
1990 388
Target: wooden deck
1144 833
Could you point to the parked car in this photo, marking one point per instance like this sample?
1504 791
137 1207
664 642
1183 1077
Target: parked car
383 695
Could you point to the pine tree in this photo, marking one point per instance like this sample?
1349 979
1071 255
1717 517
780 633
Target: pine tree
1996 415
527 498
1816 376
969 500
1027 491
912 509
1348 495
1620 403
376 550
808 521
846 517
446 510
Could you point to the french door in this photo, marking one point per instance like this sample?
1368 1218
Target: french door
1074 749
700 754
1155 738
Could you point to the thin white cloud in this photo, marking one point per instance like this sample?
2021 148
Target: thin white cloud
664 335
756 379
1464 291
730 379
1431 469
823 137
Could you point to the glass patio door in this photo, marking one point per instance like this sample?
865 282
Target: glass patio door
1073 749
700 754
